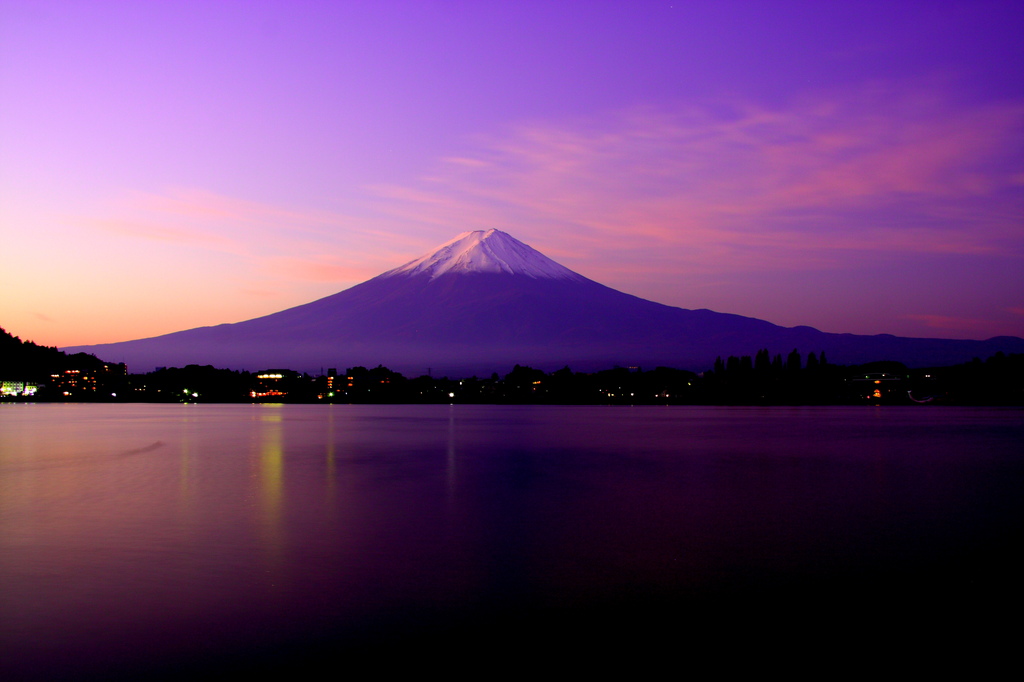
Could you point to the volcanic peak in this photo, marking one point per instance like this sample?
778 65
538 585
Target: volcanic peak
492 251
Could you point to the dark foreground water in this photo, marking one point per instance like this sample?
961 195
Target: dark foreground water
195 540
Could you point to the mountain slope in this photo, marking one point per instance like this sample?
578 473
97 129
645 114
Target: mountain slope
485 301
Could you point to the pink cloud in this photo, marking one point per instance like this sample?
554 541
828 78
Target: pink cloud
947 323
305 245
261 293
329 268
828 180
166 233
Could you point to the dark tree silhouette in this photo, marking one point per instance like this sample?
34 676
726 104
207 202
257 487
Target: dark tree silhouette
762 361
793 361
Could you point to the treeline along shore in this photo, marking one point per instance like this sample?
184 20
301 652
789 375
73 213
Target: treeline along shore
33 373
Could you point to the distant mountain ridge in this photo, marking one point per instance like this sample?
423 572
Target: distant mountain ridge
485 301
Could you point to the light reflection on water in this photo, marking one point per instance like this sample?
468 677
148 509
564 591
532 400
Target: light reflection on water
133 536
271 461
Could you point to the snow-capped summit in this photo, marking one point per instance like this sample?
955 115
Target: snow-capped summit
492 251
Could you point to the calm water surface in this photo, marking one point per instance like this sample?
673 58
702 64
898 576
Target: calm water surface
138 540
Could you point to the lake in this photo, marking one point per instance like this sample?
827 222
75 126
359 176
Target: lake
182 540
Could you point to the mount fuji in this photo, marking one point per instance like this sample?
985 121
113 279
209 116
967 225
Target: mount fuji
485 301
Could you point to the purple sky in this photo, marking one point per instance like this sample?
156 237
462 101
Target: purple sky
856 167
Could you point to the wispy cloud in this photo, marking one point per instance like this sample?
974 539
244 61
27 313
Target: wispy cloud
829 180
350 267
654 199
305 245
206 219
826 180
142 228
947 323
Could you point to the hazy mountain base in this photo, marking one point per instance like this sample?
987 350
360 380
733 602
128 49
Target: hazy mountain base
483 301
475 324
